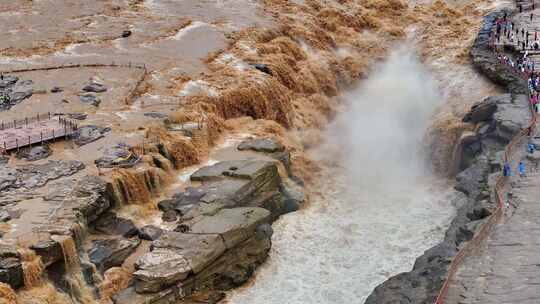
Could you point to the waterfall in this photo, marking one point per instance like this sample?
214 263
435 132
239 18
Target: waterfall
115 279
77 284
137 186
7 295
69 249
32 268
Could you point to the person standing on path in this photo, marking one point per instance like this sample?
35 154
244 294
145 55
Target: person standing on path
507 171
531 148
521 168
531 16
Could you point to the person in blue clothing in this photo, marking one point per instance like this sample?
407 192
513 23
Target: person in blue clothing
530 148
507 171
521 168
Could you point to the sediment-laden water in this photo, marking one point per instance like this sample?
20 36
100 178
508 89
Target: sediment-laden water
377 206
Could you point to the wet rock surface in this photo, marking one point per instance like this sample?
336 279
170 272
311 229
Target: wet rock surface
223 231
87 134
95 87
90 99
50 251
110 224
33 176
150 233
118 155
267 145
35 153
111 252
11 271
156 115
13 91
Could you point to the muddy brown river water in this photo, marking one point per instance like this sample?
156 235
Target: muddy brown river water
375 205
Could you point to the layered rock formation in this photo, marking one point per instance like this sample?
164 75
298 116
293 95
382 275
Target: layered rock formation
222 225
222 233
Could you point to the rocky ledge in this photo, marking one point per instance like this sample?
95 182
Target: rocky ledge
478 162
221 225
222 234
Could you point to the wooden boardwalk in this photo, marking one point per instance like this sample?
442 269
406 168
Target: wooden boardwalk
35 130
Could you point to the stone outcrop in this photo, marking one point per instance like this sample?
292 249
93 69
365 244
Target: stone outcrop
49 250
206 239
150 233
222 235
267 145
87 134
482 111
94 87
89 199
110 224
90 99
35 153
498 119
11 271
111 252
14 91
118 155
33 176
86 201
237 183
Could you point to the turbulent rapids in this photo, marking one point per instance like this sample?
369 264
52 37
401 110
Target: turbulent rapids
378 198
235 151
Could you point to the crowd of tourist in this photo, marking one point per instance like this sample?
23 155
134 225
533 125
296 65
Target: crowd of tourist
507 32
523 41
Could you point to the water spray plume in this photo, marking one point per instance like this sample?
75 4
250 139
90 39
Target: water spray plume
380 135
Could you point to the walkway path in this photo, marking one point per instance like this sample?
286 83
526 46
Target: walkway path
507 269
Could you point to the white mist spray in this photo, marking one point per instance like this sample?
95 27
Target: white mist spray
380 135
375 213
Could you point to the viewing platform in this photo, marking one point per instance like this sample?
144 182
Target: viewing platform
29 131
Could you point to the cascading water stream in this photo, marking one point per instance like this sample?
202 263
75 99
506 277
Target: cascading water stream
32 268
377 205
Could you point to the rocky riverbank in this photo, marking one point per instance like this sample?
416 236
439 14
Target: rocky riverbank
478 158
220 225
